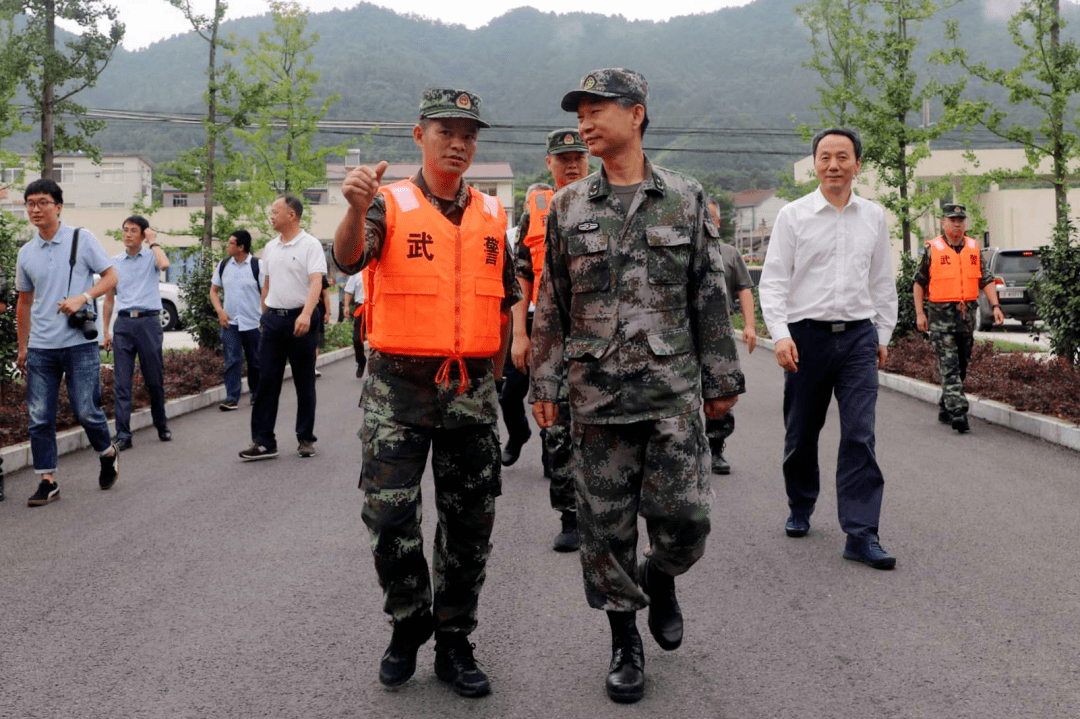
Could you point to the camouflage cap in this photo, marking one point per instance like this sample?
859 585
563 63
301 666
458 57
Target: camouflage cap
953 210
609 82
438 103
565 140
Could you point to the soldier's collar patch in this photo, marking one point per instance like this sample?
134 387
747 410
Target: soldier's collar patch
588 226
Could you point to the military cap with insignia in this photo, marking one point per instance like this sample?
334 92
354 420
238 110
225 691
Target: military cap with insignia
611 82
565 140
953 210
440 103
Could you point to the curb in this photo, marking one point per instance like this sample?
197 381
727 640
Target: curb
1051 429
18 456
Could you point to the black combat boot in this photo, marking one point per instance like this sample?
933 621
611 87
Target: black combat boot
399 661
567 540
455 663
626 677
1 479
719 464
665 617
960 423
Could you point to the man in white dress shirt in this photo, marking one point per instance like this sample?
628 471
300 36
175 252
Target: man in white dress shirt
828 297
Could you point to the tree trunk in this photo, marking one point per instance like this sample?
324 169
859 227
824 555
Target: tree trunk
48 159
211 137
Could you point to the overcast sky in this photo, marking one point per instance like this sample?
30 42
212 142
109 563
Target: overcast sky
148 21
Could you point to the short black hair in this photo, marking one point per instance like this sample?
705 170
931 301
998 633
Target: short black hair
849 134
243 239
294 204
44 186
627 103
139 220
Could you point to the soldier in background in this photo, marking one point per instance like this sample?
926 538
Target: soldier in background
953 271
739 286
439 332
568 161
632 311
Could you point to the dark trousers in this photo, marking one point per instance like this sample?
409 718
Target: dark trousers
844 364
358 344
512 398
233 343
138 337
276 347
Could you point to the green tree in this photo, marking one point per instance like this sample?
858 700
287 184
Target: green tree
279 86
199 317
1055 291
9 345
54 76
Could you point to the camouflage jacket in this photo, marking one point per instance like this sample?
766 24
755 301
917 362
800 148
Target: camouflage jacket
950 316
635 305
403 387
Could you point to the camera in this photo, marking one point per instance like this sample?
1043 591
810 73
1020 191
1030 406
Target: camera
83 320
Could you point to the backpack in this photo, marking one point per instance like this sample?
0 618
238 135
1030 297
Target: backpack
254 270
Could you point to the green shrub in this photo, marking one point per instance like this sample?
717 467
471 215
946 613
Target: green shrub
905 318
199 317
1055 290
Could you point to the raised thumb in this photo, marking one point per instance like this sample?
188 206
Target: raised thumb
380 169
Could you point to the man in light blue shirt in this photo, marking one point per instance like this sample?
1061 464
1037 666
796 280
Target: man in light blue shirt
54 339
137 329
239 276
354 300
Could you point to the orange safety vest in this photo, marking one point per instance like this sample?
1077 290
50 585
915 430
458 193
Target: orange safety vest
539 205
954 277
438 288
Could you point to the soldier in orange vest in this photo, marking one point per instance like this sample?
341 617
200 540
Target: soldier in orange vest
953 272
568 161
437 312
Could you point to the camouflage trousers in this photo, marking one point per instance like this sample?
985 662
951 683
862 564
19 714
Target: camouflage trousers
466 469
953 352
658 469
559 447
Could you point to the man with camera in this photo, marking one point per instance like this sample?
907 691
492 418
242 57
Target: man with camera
57 337
137 330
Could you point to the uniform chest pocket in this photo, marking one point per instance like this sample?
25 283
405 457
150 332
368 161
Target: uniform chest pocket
590 268
669 254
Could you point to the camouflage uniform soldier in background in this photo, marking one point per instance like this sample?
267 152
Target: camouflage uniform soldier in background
632 308
568 161
952 323
425 397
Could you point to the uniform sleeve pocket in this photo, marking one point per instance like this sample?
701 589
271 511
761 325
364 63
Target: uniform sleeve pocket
672 342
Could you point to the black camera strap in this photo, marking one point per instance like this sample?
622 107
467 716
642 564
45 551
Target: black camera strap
71 264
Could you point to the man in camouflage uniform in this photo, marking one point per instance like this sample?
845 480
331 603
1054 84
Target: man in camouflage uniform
568 161
406 411
952 324
633 310
739 286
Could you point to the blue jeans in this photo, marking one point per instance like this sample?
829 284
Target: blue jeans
44 369
232 342
844 364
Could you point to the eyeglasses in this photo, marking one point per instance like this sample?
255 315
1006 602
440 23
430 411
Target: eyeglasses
34 204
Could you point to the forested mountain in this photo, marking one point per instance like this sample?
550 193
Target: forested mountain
735 75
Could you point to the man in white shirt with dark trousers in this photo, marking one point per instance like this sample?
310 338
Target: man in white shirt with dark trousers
294 265
828 296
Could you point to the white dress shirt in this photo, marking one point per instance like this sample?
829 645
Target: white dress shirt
829 265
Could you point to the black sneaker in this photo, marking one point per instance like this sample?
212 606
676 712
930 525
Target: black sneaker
399 660
110 469
455 663
227 406
257 451
306 449
46 492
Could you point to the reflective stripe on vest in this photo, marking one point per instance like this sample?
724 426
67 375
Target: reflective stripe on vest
437 289
539 205
954 277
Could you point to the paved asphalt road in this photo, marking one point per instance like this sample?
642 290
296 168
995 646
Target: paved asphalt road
204 587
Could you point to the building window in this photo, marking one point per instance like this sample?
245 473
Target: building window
9 176
112 205
65 171
179 200
313 198
111 171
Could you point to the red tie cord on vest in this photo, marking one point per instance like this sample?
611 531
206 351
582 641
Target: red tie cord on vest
442 377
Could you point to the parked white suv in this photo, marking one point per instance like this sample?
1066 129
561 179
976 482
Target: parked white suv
171 305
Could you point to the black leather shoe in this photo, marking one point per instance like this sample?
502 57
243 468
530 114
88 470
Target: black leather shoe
960 423
626 675
797 525
455 663
122 444
164 435
869 552
512 450
665 617
399 660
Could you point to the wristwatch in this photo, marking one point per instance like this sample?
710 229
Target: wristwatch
995 307
154 244
89 298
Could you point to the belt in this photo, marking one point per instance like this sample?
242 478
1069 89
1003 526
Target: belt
285 313
138 313
834 326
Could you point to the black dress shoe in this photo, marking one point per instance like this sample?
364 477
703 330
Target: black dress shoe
626 675
164 435
665 616
797 525
122 444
